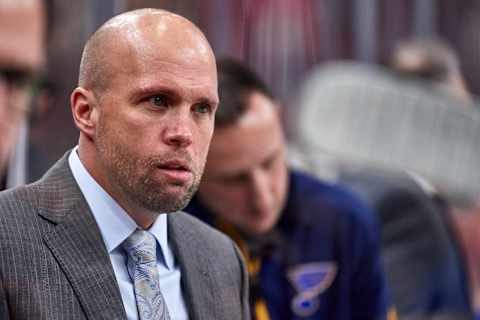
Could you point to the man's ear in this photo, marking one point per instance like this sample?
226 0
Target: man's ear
84 110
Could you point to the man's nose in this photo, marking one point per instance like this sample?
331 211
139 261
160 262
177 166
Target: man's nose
262 194
178 130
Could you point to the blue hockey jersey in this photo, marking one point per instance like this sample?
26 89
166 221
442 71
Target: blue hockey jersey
325 261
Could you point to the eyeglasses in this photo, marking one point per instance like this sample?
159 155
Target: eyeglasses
23 80
20 79
26 83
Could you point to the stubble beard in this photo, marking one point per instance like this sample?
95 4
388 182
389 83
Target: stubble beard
133 176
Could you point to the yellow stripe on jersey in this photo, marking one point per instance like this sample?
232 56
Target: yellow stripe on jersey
392 314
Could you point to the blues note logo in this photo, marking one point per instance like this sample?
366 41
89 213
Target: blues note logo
310 280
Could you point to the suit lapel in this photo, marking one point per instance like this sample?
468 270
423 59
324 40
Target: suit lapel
196 270
77 245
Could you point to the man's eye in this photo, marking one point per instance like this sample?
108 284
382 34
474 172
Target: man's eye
202 108
268 164
159 101
241 178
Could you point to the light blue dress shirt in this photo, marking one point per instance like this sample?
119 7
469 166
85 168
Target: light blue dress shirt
116 226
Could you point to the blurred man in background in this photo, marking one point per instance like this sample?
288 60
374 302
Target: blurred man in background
382 135
22 58
435 62
311 247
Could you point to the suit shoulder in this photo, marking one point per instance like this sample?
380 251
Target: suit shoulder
22 197
17 211
201 230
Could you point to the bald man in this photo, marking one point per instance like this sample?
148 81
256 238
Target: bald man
100 235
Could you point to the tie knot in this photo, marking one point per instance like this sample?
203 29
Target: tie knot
141 247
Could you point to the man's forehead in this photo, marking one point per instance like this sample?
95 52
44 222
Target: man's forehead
221 168
239 149
153 73
22 32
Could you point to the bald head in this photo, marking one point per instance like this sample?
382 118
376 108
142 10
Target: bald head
146 99
114 48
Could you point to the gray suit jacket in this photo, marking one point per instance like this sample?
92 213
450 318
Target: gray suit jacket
54 264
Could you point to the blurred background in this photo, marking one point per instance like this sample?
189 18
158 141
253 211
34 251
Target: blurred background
281 39
405 100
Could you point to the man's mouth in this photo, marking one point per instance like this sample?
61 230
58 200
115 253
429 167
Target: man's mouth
177 170
180 165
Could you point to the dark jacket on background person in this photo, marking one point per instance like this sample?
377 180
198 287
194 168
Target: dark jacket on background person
423 262
322 259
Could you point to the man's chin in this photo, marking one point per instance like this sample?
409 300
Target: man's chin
259 229
166 206
173 201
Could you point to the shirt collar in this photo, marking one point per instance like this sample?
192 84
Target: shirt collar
113 221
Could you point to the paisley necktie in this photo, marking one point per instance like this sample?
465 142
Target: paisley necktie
142 267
